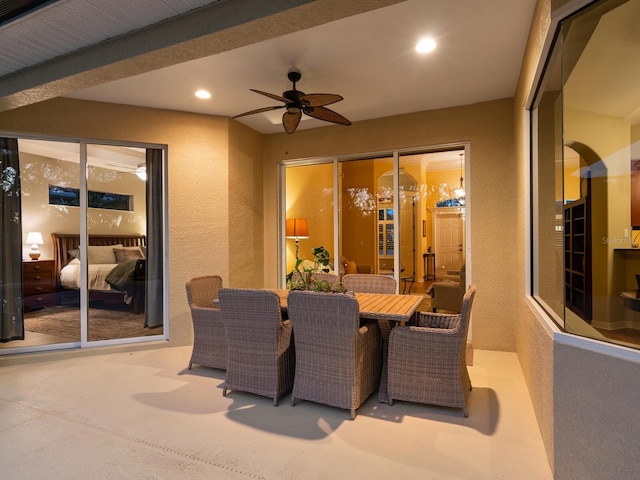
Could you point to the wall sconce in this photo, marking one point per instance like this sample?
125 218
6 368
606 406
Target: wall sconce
141 172
297 228
35 239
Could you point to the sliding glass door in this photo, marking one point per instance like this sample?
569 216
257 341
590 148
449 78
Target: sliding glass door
376 214
93 244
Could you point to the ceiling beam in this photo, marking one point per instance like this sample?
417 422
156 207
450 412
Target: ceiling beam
217 28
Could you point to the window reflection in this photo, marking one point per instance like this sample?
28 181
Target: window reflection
587 137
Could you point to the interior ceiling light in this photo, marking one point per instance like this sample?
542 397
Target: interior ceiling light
426 45
203 94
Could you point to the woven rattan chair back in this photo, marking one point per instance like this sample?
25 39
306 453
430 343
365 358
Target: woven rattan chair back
261 353
364 283
202 291
209 338
338 362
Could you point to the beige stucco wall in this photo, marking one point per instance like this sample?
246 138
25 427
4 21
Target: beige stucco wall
490 192
200 156
534 338
245 225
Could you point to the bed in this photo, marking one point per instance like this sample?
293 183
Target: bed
116 267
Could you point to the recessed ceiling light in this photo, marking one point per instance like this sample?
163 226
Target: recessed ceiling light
203 94
426 45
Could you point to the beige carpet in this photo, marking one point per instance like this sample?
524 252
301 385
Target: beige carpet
104 324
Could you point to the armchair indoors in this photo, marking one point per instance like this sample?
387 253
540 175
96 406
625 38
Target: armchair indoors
427 363
209 337
260 344
447 295
350 267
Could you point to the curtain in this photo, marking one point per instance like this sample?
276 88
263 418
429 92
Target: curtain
11 320
153 296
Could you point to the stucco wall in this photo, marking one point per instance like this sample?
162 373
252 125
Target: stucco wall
488 127
198 186
245 207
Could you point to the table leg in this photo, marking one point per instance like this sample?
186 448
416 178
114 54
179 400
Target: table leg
385 329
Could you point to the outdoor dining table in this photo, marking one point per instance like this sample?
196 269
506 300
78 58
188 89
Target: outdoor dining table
388 309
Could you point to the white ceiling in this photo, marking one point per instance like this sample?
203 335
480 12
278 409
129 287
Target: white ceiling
367 58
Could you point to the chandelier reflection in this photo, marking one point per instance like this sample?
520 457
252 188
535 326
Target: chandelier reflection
363 200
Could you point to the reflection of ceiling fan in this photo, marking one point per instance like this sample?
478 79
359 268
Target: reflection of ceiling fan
140 170
297 103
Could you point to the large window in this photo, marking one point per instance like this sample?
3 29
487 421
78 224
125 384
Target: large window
586 192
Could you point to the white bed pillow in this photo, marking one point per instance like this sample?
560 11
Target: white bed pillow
102 254
128 253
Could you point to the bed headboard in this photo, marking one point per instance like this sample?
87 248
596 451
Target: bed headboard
63 242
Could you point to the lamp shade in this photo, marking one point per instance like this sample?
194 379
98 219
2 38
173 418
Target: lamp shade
34 238
297 228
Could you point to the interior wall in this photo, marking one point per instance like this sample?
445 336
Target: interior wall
358 229
488 127
609 138
198 185
38 172
308 189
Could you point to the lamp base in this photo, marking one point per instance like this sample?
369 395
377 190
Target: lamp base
34 255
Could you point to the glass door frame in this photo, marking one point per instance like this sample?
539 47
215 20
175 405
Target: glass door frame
84 343
395 154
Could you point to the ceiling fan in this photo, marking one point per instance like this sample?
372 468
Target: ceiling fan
297 103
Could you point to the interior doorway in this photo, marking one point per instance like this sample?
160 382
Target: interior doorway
449 239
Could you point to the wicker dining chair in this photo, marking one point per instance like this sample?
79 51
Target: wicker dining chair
369 283
209 338
338 362
427 363
261 353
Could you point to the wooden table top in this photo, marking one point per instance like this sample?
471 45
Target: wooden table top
378 306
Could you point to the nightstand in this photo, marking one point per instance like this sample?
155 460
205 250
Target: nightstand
38 284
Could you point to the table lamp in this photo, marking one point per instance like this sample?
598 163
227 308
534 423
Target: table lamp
35 239
297 228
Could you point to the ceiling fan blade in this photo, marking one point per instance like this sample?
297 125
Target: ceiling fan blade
259 110
291 121
320 99
322 113
271 95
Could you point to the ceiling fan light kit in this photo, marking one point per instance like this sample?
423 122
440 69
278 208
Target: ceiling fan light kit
297 102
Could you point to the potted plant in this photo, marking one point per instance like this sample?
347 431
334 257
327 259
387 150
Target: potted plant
302 276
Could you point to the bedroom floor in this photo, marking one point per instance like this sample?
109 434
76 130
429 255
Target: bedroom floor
141 414
61 324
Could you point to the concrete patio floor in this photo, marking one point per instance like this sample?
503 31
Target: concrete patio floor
140 414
